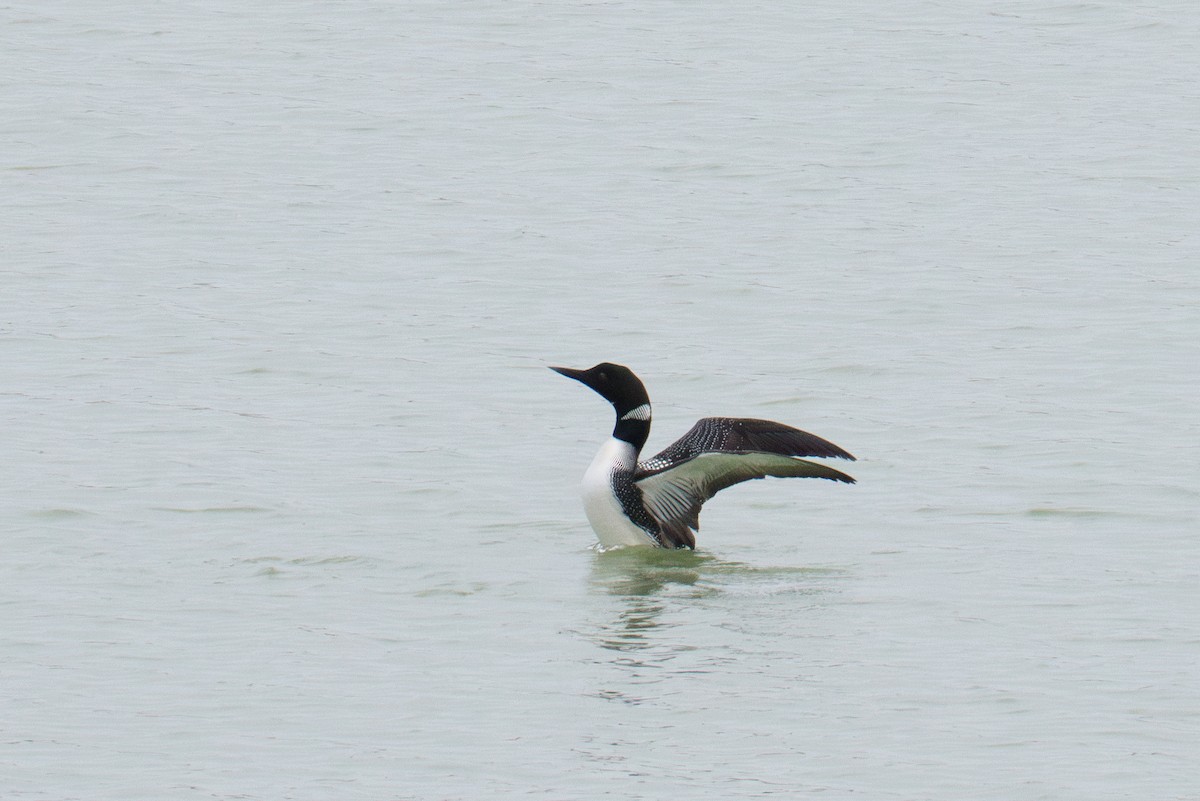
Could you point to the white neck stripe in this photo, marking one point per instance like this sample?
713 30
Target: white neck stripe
640 413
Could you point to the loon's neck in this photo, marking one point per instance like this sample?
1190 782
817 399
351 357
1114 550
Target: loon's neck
634 427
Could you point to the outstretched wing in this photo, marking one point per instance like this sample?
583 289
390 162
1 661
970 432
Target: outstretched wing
717 453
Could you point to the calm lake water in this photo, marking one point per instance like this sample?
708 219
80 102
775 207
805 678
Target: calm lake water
289 499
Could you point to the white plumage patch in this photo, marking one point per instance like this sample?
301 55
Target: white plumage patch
603 508
640 413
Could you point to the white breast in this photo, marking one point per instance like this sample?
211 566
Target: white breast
603 509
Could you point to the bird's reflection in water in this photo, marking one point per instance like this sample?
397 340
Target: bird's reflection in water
646 572
650 581
661 599
646 584
670 615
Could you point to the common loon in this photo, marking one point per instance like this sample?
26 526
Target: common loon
657 502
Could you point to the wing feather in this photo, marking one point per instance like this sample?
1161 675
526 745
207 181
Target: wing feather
741 435
719 452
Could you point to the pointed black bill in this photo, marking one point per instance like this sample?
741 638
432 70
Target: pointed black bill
570 373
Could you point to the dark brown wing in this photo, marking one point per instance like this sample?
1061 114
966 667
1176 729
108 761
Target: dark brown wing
740 435
719 452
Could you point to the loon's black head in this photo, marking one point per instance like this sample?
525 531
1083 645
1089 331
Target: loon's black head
617 384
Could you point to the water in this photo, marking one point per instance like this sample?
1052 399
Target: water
289 497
